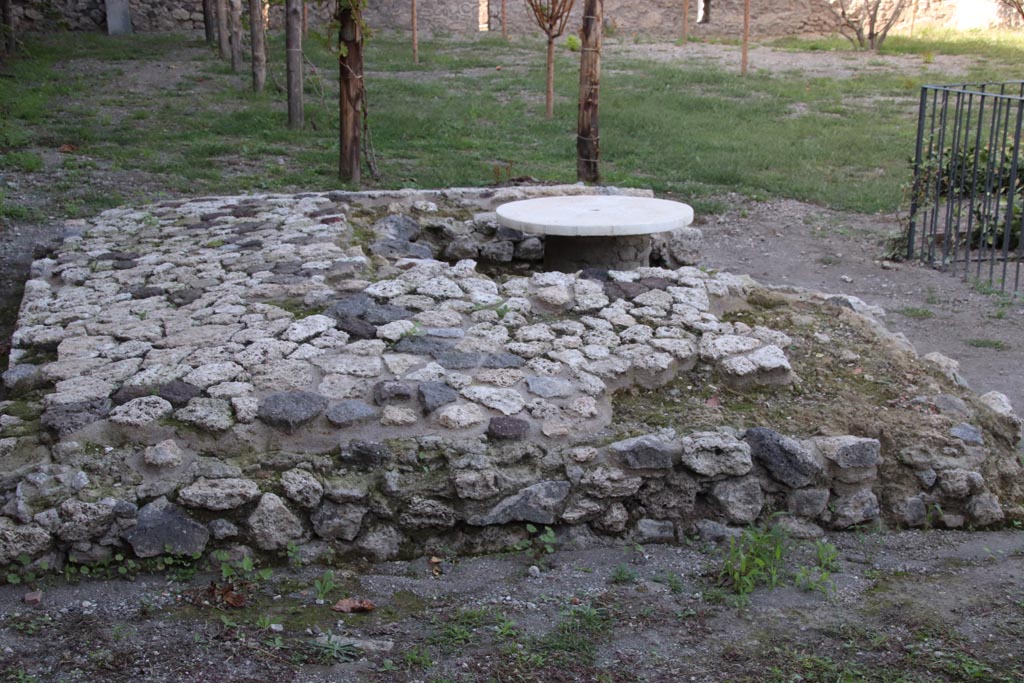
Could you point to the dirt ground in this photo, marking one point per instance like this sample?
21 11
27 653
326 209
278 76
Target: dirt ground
790 243
906 606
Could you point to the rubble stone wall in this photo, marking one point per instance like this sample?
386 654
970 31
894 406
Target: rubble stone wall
660 19
319 370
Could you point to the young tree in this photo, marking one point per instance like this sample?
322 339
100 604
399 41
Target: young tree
258 35
236 34
551 16
209 22
866 23
1016 5
293 61
223 34
352 92
588 149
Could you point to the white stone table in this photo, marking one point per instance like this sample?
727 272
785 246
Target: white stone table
610 232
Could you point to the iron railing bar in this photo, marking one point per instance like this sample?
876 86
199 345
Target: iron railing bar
940 164
961 194
974 183
987 197
1005 130
918 181
955 161
1011 192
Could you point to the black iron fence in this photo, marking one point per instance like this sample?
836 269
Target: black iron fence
968 194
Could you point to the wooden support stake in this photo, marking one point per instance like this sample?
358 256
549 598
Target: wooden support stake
223 36
350 96
504 19
746 37
236 35
549 98
257 32
293 62
415 36
686 20
588 149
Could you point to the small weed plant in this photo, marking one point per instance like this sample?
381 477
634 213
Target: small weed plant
826 555
324 585
417 657
540 543
244 569
623 573
754 559
673 581
814 579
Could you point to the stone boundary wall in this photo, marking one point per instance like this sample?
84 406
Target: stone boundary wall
660 19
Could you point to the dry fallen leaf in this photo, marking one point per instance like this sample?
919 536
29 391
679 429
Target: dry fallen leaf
67 149
713 402
234 599
435 566
353 605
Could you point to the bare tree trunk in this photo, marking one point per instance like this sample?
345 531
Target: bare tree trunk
209 22
746 37
223 37
504 19
236 35
293 62
549 101
415 36
8 40
686 20
350 97
258 37
588 136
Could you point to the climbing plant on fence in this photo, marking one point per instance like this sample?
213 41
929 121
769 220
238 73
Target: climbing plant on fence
966 206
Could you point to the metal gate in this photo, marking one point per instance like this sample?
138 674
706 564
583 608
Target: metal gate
968 193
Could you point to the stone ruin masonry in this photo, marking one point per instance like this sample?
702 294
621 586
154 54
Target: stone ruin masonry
660 19
269 370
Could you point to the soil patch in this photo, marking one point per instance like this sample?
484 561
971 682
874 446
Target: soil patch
791 243
912 606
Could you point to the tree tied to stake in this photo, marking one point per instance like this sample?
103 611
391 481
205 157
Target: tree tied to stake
551 17
588 149
354 131
866 23
293 62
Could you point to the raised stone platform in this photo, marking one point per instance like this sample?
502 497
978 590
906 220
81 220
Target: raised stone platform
608 232
241 370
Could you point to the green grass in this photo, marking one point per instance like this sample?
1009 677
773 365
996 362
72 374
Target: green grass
1005 46
916 313
694 132
995 344
27 162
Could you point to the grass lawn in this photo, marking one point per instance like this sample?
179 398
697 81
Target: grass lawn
164 110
